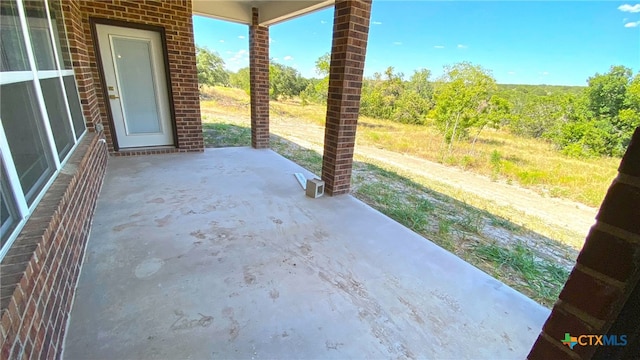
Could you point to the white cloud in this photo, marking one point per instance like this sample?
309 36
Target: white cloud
397 43
632 24
239 60
240 37
376 22
287 58
271 40
629 8
461 46
511 73
276 59
544 73
228 52
438 47
322 22
239 55
221 40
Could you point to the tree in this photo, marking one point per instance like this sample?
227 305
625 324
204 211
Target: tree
496 113
241 79
630 115
318 89
323 65
415 99
379 95
462 95
606 92
419 82
608 117
210 68
285 81
540 115
586 137
633 93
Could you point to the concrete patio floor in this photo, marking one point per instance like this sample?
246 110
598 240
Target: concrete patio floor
221 255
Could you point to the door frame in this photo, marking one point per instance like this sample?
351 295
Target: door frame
93 21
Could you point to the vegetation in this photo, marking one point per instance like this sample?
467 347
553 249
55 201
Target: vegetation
210 68
468 226
596 120
559 141
591 121
498 154
317 89
285 82
605 117
541 276
464 99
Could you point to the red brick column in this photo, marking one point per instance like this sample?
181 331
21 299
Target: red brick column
599 296
259 72
350 34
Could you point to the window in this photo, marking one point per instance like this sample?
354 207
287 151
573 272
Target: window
8 214
40 35
14 54
58 115
60 34
28 143
74 104
40 114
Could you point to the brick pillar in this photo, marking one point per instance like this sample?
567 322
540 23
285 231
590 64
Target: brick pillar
602 289
259 72
350 33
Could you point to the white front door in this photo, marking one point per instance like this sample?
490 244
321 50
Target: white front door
133 67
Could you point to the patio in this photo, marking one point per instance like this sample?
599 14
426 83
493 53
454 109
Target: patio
221 255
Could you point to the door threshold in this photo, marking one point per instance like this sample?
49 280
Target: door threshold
147 150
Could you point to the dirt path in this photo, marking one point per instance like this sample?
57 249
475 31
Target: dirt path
564 213
561 212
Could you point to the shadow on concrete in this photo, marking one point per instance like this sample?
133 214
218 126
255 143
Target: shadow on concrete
532 263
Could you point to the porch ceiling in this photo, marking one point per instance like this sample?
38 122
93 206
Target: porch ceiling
271 11
221 255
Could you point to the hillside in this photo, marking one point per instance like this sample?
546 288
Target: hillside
465 204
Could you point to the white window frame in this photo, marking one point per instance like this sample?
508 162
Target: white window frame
22 208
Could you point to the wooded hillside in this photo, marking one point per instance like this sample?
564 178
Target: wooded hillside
596 120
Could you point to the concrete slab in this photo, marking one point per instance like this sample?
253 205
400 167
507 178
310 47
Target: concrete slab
221 255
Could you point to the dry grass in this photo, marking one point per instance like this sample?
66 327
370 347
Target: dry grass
531 163
515 253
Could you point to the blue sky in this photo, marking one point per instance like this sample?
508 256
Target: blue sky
537 42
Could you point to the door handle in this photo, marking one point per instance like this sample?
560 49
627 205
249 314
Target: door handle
113 97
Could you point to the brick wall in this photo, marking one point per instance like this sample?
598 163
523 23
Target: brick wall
606 273
348 50
40 271
259 73
82 64
175 17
